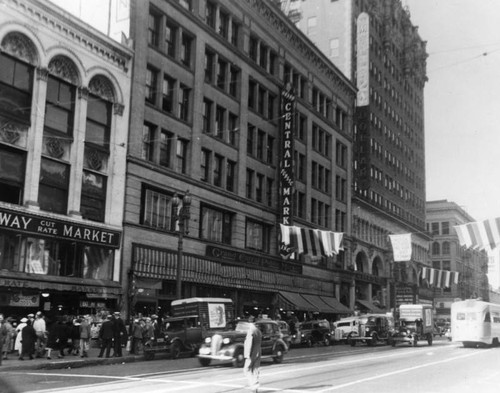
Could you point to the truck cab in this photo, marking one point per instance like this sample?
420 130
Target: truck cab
372 329
415 324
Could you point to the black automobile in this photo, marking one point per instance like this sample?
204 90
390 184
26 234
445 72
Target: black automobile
228 345
315 332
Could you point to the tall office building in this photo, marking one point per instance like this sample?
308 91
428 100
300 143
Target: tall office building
376 46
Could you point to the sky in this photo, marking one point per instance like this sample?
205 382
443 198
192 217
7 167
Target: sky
462 102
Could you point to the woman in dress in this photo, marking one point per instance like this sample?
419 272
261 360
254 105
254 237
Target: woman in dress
28 340
19 328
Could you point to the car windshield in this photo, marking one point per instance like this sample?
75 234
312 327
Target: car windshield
242 326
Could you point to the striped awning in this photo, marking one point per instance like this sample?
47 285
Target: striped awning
294 301
336 305
369 306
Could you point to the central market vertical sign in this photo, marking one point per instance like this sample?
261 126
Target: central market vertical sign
36 225
286 169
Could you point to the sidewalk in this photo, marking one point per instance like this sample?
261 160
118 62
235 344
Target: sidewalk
70 361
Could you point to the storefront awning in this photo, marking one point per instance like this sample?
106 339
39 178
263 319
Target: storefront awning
319 304
296 302
336 305
370 306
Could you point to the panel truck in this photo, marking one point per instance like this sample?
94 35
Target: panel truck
415 323
193 319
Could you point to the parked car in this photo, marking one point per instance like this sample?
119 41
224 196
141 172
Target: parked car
372 329
316 332
344 327
228 345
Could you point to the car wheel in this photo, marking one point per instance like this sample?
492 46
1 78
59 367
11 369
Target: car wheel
280 352
415 341
326 340
429 339
351 342
308 342
204 362
239 358
175 350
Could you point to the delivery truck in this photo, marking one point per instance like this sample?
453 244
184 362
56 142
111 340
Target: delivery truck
415 324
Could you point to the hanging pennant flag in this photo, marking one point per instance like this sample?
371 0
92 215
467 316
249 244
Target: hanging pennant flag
308 241
401 247
480 235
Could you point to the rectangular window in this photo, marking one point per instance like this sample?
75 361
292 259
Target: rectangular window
220 124
207 116
340 220
269 191
249 183
181 155
151 83
259 188
233 81
98 127
216 225
235 33
258 236
230 175
166 139
167 103
261 136
271 105
445 228
186 49
250 140
53 189
224 24
340 188
93 200
341 158
59 107
270 150
171 32
12 173
210 14
221 74
16 83
253 48
154 29
435 228
184 101
157 209
148 137
252 91
205 164
263 51
218 165
233 128
209 66
261 100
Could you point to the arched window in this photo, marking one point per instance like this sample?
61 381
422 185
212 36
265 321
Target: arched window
97 149
436 249
58 135
17 65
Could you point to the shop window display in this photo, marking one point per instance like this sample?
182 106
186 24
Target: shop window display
55 258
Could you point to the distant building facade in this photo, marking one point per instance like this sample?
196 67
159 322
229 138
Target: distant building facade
376 45
64 112
447 254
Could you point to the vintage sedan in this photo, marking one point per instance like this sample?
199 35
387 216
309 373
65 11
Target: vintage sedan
228 345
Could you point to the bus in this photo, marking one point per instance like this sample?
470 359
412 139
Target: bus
475 323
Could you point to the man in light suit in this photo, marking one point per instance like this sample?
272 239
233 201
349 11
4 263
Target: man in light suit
252 353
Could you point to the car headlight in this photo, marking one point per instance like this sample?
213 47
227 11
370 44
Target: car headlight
208 340
226 341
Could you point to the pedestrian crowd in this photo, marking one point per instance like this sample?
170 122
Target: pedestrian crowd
34 336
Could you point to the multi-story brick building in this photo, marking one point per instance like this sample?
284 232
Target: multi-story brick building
64 90
448 255
376 45
206 117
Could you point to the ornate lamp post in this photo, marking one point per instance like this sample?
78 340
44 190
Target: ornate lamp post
181 214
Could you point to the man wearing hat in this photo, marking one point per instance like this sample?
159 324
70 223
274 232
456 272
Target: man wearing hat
41 334
119 334
3 334
106 336
156 325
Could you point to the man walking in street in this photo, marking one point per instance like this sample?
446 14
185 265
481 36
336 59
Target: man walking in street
119 334
252 353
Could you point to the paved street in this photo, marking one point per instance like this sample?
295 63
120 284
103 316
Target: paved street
442 368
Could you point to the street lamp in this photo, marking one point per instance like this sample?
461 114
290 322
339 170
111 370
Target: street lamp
181 214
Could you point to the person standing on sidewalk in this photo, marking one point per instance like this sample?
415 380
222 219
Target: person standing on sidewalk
84 336
41 334
119 334
136 337
7 345
3 334
19 329
28 340
106 336
252 353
